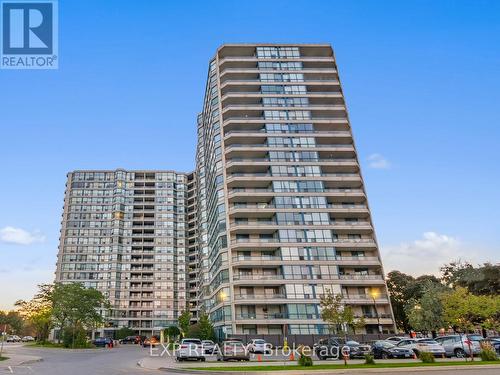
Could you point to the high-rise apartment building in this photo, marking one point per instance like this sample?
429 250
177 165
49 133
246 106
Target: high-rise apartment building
124 233
274 215
286 209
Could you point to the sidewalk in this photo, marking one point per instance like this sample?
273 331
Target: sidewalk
169 365
18 359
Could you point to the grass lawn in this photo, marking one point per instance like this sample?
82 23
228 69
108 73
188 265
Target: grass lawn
3 358
341 366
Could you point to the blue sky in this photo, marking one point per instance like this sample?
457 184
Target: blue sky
421 80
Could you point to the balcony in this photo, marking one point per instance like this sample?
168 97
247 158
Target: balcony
263 277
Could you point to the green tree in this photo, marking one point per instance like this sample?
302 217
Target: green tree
483 280
337 315
465 311
184 321
351 320
194 331
38 312
331 310
76 307
124 332
207 331
397 285
13 321
426 314
172 332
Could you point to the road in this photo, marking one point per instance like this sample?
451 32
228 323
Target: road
117 361
123 360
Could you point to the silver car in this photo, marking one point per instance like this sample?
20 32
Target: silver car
458 345
423 345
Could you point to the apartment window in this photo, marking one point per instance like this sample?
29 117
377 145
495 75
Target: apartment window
287 115
277 65
283 89
285 102
277 52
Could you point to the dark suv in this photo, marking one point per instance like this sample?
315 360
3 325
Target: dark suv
328 348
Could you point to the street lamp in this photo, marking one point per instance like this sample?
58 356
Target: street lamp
375 293
223 297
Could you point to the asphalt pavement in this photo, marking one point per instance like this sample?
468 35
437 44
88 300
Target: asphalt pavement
125 359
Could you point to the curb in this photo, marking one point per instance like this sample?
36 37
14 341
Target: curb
29 361
340 370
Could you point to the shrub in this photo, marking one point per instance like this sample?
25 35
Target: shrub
75 338
488 355
124 332
369 360
305 360
426 357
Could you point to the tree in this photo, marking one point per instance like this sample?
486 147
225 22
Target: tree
426 314
172 333
351 320
194 331
13 320
124 332
339 316
184 321
38 312
465 311
76 307
484 280
404 288
207 331
331 310
397 285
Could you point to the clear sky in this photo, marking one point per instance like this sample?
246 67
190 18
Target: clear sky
421 80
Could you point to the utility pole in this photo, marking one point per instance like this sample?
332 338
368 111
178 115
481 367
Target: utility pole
4 334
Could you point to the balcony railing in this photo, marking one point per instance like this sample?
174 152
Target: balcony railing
271 316
302 240
264 190
239 297
276 223
264 174
288 160
306 277
289 258
282 107
273 146
265 131
293 206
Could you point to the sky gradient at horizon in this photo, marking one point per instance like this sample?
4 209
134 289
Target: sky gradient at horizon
421 80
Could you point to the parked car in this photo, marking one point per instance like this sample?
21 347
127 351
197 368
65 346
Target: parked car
28 338
233 350
259 346
13 338
190 349
208 346
386 349
478 338
357 350
423 345
102 342
151 341
328 348
495 343
131 340
458 345
396 339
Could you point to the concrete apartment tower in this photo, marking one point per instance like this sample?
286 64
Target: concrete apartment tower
274 215
287 215
123 233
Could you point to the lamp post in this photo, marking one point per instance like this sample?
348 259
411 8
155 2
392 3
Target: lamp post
375 294
223 297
